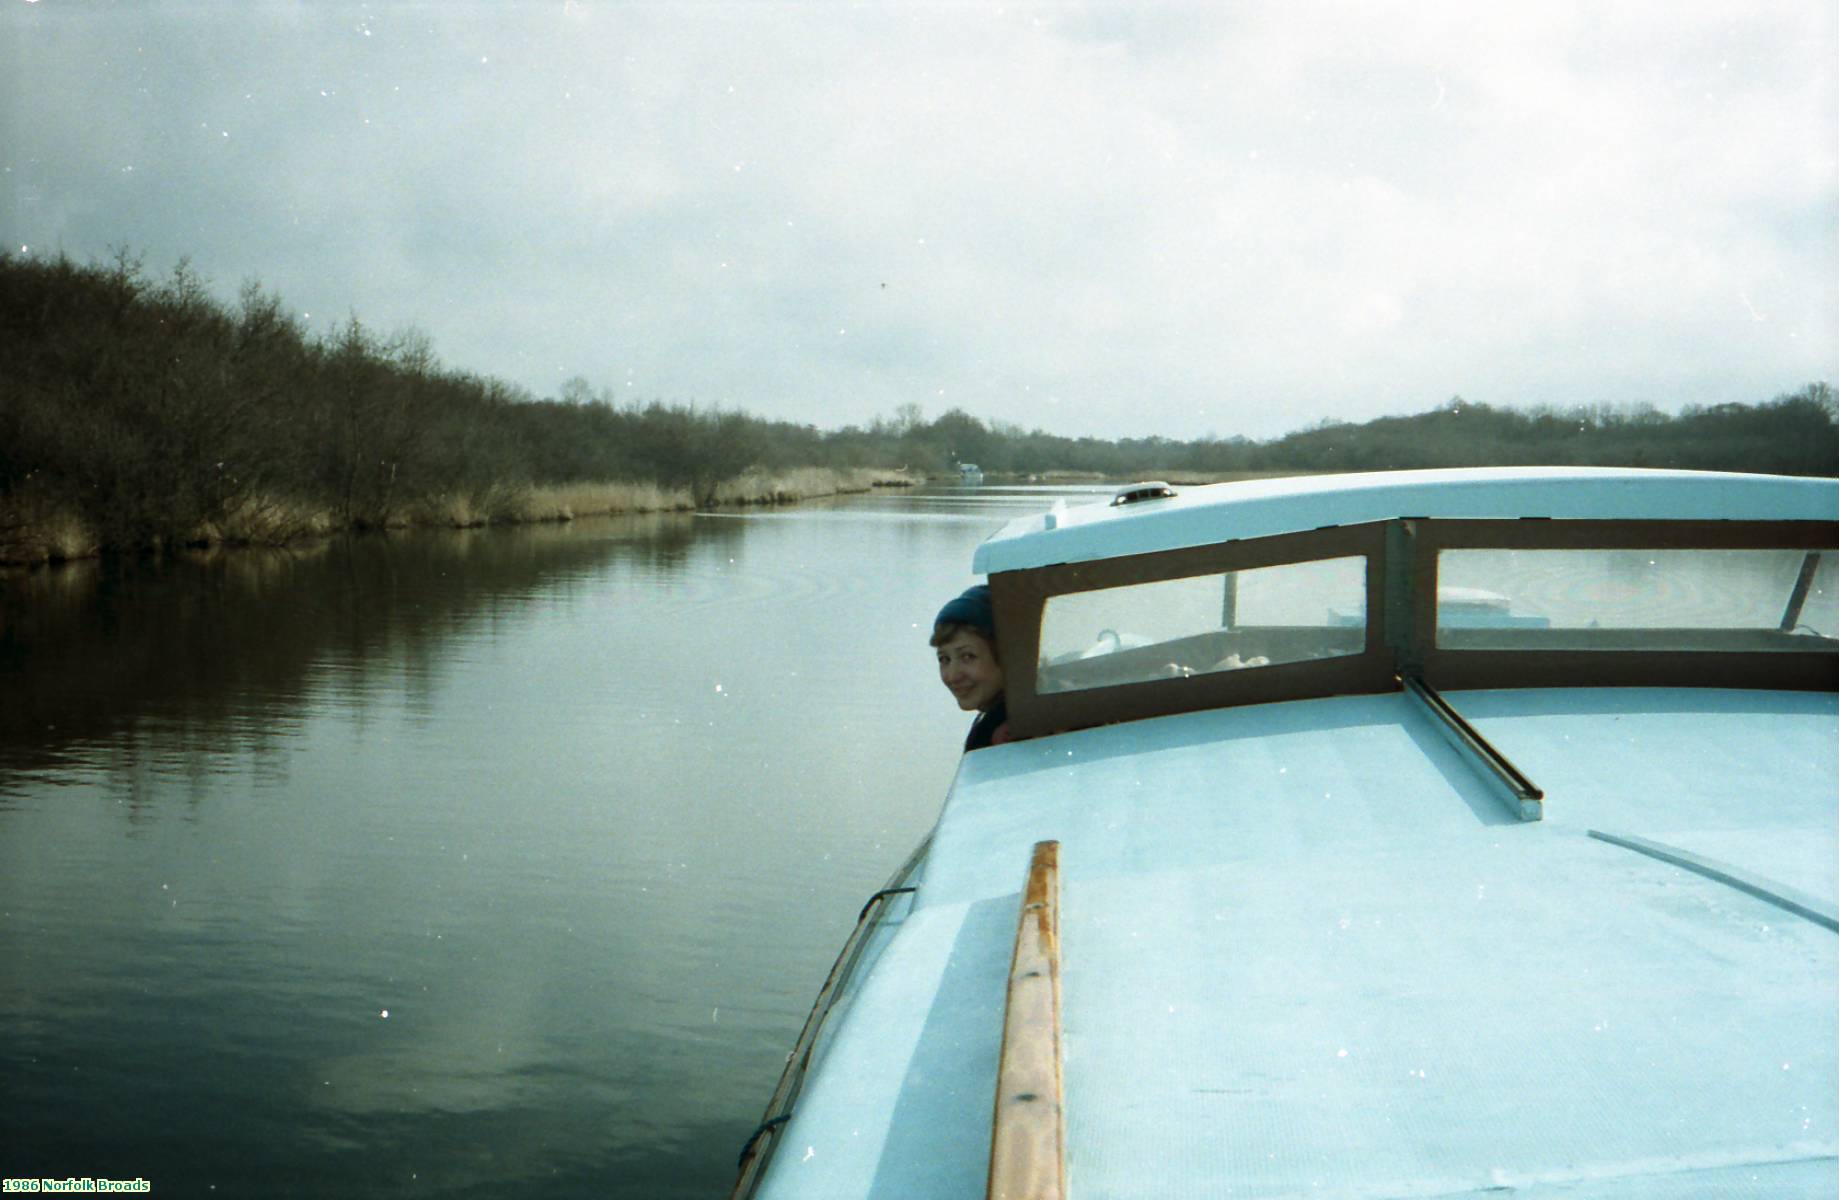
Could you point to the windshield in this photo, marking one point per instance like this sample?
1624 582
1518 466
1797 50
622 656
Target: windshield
1174 628
1636 599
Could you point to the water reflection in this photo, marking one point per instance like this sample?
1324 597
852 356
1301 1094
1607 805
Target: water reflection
586 809
158 668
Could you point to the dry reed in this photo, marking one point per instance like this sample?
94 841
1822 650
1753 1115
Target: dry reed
565 502
266 521
32 534
802 483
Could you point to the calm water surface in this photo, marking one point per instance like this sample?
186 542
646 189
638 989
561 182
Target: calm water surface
456 864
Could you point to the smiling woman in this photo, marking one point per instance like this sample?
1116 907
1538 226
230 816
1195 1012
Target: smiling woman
964 634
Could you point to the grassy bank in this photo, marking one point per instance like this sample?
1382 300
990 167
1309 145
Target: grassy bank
140 414
35 534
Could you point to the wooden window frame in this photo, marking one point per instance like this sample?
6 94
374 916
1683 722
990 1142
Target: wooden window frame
1020 597
1401 586
1455 669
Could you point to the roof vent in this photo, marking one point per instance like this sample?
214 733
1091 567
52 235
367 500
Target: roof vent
1136 493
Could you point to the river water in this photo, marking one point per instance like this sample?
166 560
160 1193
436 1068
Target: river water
456 864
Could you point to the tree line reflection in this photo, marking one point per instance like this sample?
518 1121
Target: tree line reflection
154 665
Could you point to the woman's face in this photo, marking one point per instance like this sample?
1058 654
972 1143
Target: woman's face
969 670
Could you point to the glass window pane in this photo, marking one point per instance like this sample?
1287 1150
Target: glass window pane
1637 599
1194 626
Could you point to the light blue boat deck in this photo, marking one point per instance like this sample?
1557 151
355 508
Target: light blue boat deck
1306 951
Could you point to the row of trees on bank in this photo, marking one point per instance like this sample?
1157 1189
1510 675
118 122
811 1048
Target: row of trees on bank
148 409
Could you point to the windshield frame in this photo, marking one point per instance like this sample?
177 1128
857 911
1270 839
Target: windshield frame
1021 596
1401 614
1808 665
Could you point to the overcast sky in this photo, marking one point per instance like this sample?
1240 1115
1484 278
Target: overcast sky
1095 219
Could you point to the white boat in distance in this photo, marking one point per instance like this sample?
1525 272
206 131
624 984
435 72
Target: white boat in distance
1524 881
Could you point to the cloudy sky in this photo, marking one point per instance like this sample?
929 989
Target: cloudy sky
1092 218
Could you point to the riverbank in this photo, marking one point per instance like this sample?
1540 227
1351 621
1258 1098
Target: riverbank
141 414
39 533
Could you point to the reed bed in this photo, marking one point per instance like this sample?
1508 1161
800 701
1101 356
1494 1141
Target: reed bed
451 510
565 502
803 483
54 536
266 521
32 535
36 529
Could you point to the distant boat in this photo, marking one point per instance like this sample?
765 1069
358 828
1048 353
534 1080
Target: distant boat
970 474
1322 867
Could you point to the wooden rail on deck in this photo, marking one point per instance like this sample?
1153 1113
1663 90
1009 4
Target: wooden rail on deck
1028 1138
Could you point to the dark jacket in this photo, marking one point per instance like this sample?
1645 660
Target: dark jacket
991 728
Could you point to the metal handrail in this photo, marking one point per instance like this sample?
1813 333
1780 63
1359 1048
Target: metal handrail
1524 798
758 1150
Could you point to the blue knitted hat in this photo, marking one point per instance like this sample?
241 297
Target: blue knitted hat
971 608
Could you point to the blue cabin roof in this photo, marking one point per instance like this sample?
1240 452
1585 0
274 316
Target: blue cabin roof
1200 516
